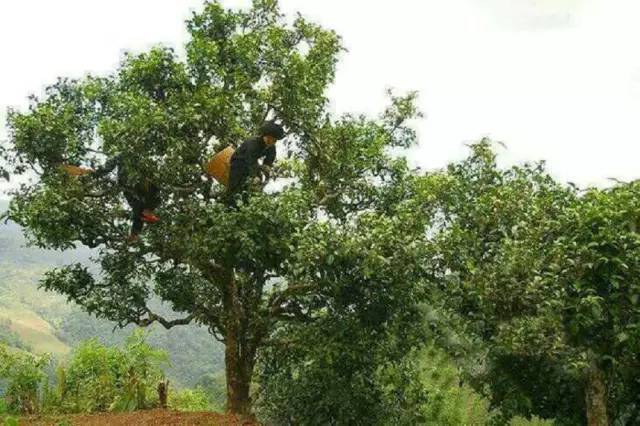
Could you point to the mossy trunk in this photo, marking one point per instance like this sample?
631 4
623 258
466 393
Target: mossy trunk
239 353
238 372
596 396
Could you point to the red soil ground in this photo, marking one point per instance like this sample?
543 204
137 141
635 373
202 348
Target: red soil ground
139 418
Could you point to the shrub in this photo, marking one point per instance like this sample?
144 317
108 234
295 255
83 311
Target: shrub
189 400
215 386
90 381
23 375
100 378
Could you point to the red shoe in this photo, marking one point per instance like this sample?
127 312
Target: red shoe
149 217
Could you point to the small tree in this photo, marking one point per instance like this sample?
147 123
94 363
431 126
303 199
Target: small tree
233 271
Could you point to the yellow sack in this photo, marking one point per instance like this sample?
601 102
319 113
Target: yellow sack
220 165
75 170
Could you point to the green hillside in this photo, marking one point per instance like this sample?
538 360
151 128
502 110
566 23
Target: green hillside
42 322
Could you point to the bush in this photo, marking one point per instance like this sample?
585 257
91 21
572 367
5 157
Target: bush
101 378
334 372
97 378
141 372
448 401
215 386
189 400
23 375
90 382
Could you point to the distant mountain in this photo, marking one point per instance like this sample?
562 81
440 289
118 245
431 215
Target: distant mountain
45 322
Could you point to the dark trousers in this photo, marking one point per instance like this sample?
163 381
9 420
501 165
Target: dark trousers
238 176
142 196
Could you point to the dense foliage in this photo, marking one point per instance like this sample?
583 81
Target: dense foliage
546 278
100 378
361 335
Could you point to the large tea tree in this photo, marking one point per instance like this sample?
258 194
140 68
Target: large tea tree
546 277
238 272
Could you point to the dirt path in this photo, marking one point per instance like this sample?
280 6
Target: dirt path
138 418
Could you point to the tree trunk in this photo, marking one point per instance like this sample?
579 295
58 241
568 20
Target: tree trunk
238 372
239 356
596 397
163 392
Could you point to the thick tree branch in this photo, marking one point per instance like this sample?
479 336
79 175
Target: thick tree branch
151 318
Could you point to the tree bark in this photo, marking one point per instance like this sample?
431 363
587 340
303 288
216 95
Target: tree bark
239 353
596 397
163 392
238 372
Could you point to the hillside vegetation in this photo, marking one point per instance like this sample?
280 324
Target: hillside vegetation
44 322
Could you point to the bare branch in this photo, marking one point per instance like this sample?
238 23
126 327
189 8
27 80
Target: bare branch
35 170
95 151
266 113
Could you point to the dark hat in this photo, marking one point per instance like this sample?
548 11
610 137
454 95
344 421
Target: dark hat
271 128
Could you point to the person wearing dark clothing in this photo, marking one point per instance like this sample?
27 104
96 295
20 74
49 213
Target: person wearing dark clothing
142 196
244 161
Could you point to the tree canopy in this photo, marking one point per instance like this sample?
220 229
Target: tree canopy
545 277
237 271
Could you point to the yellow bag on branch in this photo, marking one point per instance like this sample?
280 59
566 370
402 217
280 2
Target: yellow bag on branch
75 170
220 165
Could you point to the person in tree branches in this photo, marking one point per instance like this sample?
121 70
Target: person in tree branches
244 161
142 195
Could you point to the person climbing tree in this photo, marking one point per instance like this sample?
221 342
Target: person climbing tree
244 161
142 195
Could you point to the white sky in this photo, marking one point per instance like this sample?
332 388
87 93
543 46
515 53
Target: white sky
553 79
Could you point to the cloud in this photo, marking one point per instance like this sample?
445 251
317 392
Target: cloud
534 15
